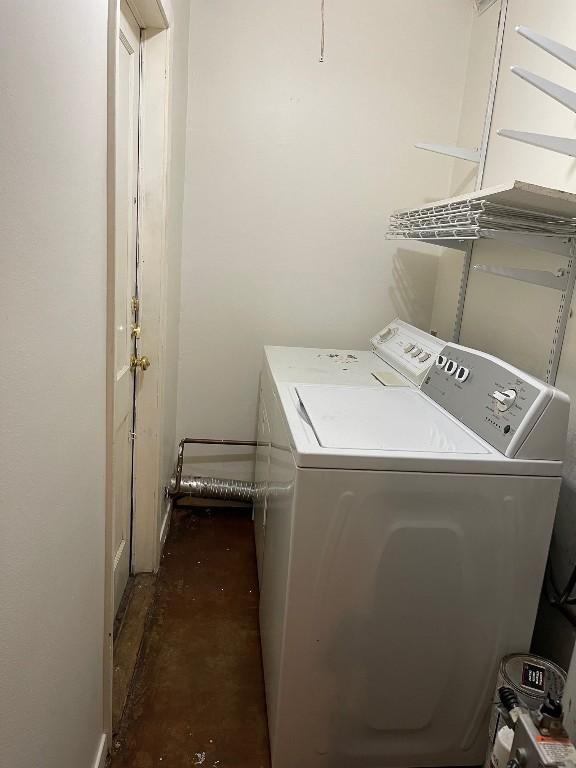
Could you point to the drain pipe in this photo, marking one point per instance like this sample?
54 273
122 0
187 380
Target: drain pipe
212 488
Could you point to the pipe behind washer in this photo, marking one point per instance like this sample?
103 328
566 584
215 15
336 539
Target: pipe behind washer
210 487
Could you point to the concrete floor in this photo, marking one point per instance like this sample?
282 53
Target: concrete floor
197 696
129 628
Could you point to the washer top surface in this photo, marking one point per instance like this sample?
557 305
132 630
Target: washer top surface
429 446
397 419
417 404
312 365
401 356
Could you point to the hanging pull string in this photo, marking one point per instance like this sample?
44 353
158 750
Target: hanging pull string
323 30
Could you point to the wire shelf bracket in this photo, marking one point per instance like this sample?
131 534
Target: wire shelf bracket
561 246
456 244
553 143
483 5
460 153
561 52
565 96
558 281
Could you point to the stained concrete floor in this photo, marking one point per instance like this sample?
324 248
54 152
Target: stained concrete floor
197 695
129 631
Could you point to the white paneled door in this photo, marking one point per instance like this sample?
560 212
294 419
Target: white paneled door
126 289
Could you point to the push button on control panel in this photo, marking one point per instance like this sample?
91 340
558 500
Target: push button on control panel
451 367
410 351
462 374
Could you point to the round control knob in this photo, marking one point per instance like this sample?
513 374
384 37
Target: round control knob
505 399
408 347
415 352
451 366
424 356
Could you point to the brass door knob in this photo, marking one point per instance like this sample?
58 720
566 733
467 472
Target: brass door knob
139 362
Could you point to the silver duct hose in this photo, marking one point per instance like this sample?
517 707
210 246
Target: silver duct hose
210 487
216 488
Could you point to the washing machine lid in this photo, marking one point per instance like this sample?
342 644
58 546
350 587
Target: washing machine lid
383 419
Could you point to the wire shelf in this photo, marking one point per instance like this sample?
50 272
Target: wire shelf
504 211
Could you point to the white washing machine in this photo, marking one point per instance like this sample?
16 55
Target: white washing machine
405 543
400 356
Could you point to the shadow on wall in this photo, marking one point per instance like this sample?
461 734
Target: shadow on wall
563 547
219 461
466 184
553 635
412 293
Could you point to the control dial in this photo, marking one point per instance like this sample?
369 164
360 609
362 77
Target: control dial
387 333
504 399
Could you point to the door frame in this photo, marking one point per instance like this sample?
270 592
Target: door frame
155 18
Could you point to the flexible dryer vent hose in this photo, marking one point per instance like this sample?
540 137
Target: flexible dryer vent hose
215 488
210 487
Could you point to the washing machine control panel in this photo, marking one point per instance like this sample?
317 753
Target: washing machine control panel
407 349
497 401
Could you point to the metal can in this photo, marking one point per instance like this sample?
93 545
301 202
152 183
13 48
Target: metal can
531 678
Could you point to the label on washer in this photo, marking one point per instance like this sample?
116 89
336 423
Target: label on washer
556 751
534 676
390 379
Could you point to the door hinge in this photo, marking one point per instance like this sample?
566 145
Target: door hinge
132 436
139 362
135 304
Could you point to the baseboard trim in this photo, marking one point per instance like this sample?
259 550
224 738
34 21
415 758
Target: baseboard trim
101 753
165 525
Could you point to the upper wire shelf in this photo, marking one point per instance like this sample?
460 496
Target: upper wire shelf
536 217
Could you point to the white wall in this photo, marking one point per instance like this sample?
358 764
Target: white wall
292 169
52 387
479 70
480 60
179 101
